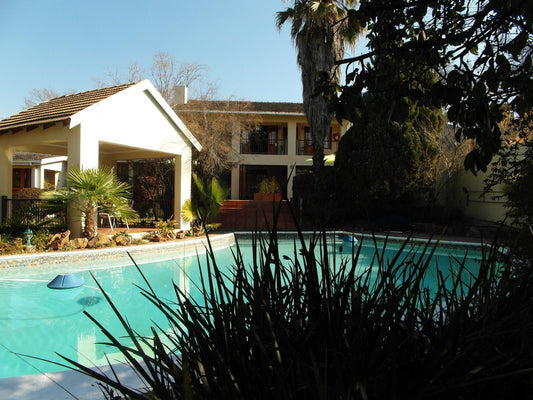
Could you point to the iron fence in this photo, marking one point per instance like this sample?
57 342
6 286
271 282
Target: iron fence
32 211
37 212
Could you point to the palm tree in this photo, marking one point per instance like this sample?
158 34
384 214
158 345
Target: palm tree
204 205
319 30
91 190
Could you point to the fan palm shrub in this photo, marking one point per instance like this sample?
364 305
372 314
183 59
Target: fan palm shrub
203 207
92 190
307 326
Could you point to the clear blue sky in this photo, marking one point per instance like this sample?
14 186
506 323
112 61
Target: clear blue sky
65 44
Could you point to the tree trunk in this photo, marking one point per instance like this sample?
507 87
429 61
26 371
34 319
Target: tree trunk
90 229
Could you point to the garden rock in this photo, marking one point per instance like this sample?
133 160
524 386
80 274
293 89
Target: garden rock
99 240
156 237
122 240
78 243
59 240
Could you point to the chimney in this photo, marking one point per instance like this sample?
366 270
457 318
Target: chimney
180 94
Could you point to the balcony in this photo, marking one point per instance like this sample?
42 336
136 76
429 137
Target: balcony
271 146
304 148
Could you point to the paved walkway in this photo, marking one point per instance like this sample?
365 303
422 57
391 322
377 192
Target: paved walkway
61 385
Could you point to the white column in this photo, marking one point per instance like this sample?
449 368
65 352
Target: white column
182 185
236 145
235 183
291 138
6 171
82 153
83 149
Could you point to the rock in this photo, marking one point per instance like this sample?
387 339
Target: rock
59 240
99 240
78 243
122 240
156 237
180 235
171 235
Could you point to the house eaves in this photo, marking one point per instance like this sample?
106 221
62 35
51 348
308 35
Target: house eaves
58 109
242 107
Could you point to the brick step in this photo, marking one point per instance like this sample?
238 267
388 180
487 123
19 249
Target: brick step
248 214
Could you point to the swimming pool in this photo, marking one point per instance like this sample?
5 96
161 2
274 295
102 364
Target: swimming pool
38 321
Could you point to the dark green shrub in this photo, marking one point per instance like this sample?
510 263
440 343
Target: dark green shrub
305 327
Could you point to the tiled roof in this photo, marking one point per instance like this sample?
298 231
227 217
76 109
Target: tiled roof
258 107
27 156
58 108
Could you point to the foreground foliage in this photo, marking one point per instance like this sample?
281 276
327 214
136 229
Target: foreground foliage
481 50
306 327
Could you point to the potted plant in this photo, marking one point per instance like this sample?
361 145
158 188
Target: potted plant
269 190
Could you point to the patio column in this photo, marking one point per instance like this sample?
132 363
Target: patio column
82 149
182 185
292 139
82 153
6 171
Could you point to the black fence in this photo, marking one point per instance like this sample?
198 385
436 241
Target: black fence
34 212
38 212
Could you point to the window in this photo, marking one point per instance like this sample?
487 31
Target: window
272 135
245 137
308 136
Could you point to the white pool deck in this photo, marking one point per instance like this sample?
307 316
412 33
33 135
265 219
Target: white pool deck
61 385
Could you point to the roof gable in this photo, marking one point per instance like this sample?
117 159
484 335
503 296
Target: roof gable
59 108
240 107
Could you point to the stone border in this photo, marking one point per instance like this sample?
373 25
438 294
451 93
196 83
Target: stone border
99 258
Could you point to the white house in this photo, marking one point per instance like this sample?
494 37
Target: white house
99 127
272 147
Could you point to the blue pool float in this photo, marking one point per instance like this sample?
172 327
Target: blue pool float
66 281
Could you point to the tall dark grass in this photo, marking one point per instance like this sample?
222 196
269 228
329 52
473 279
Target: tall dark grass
306 327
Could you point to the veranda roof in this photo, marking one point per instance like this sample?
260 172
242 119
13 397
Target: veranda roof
57 109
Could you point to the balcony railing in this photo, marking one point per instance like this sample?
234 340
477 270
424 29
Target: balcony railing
304 148
278 147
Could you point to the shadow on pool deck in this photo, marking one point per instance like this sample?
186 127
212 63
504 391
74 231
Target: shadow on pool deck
61 385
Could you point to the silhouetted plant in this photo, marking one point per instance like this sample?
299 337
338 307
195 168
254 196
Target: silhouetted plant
307 326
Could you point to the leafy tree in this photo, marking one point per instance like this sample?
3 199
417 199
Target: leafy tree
91 190
514 170
389 154
319 30
480 50
204 205
213 130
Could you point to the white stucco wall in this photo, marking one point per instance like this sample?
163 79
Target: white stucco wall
134 123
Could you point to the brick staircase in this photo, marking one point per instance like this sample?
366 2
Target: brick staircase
249 214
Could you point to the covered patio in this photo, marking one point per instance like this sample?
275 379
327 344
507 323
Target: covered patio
97 128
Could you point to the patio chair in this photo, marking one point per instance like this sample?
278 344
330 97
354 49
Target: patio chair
111 219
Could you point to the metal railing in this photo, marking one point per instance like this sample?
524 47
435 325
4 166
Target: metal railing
303 147
32 211
39 212
277 147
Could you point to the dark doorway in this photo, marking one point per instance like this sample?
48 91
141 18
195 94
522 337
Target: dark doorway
252 175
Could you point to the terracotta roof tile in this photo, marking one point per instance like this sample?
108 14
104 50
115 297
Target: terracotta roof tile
242 106
28 156
58 108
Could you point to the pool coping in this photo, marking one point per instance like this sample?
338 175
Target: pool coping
152 252
393 236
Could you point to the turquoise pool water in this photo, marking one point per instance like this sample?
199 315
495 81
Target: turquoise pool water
39 321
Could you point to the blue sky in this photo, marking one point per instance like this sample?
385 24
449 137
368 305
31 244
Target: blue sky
65 45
